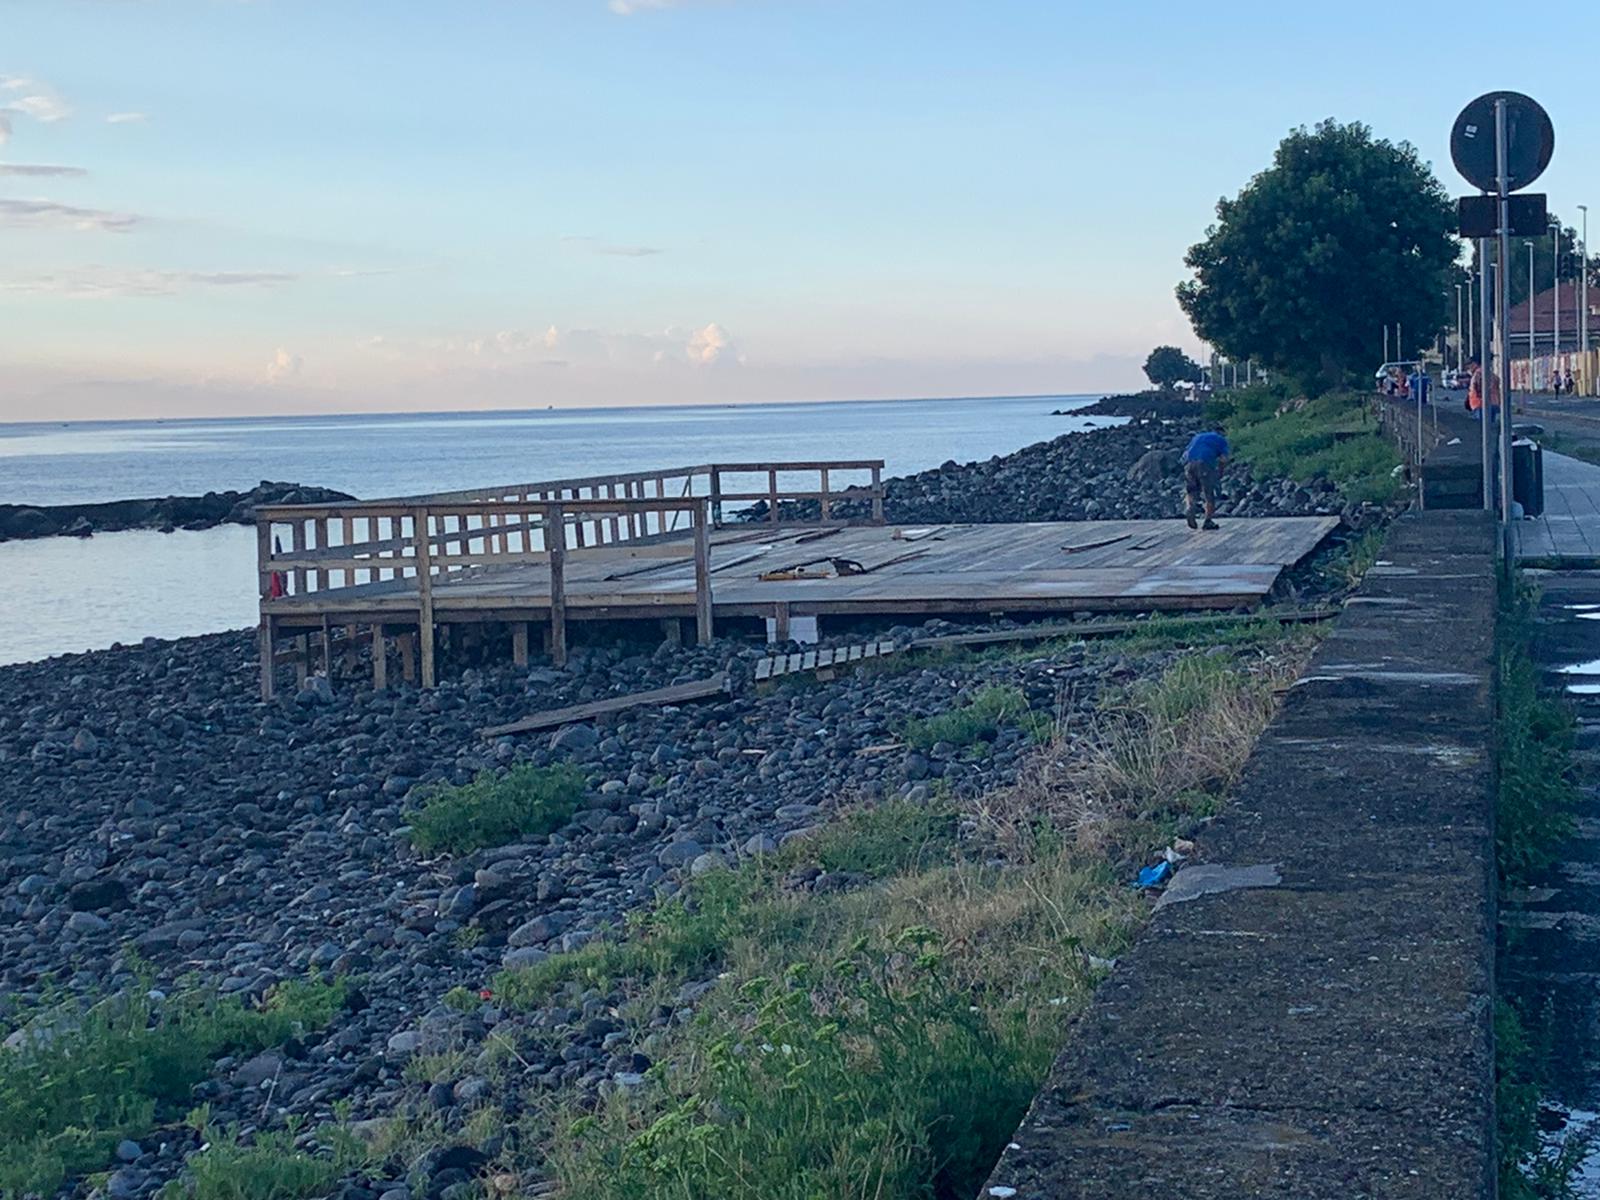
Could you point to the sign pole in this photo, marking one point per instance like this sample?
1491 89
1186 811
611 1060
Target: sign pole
1503 325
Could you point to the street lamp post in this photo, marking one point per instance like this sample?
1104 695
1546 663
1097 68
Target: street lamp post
1583 282
1459 345
1530 315
1555 271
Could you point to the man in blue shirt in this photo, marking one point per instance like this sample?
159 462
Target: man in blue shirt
1202 475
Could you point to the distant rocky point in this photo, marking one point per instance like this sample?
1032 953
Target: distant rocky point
1165 405
19 521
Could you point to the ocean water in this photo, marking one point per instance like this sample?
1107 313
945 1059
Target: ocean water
66 595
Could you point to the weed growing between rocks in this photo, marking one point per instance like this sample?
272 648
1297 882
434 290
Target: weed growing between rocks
883 1041
1328 438
976 721
1537 794
79 1078
273 1166
492 810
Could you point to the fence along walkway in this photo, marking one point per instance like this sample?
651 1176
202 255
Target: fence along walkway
386 562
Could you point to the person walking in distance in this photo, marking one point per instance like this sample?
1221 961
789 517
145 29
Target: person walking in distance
1202 475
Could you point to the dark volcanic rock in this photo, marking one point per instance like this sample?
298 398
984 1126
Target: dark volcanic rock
166 514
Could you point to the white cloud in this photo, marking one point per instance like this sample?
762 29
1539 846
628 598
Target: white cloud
709 345
98 283
127 118
32 99
47 214
595 246
39 169
283 366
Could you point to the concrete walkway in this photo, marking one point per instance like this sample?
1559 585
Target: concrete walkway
1570 526
1326 1037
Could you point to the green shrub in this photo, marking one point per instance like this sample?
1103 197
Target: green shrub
493 810
977 721
1326 438
87 1075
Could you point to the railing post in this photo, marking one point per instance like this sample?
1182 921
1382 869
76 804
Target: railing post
716 495
702 574
421 541
877 495
264 638
824 505
772 494
297 541
555 542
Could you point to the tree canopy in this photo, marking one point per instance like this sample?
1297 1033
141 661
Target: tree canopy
1168 366
1342 235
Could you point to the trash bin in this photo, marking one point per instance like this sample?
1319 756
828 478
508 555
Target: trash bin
1527 476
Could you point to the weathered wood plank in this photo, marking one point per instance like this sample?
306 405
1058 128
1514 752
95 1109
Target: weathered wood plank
699 689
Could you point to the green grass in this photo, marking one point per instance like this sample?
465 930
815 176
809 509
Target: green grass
93 1074
883 1042
270 1167
493 810
1327 438
1537 793
979 720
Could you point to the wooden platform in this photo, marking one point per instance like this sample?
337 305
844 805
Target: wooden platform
656 545
1036 567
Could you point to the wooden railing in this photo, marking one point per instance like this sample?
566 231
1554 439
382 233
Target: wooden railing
310 557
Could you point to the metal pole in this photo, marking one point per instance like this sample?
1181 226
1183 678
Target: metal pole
1531 294
1458 329
1483 371
1386 343
1472 333
1502 316
1583 283
1555 270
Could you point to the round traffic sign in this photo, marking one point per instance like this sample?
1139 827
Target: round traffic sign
1530 141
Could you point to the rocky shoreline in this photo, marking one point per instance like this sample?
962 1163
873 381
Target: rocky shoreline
157 812
166 514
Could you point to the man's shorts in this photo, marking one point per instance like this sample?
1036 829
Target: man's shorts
1202 481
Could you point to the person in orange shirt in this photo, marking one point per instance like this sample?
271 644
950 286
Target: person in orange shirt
1476 388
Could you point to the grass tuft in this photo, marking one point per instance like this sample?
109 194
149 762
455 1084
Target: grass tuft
86 1076
979 720
493 810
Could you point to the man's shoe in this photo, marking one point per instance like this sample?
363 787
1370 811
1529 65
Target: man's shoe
1189 519
1210 524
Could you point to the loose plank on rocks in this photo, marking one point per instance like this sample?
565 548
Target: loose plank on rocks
697 689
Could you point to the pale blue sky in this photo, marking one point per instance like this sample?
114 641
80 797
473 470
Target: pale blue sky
333 205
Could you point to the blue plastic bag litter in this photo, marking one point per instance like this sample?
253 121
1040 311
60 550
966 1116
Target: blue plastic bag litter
1154 876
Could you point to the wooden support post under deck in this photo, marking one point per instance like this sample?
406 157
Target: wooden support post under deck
519 643
408 656
380 659
302 659
424 552
780 622
264 640
702 575
327 650
672 631
555 538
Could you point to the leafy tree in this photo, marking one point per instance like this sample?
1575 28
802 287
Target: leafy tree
1342 235
1168 366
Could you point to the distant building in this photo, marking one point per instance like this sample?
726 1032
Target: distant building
1544 320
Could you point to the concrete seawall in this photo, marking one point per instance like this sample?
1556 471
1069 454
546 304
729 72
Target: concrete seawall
1324 1028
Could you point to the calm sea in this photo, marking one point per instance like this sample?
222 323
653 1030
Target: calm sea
66 595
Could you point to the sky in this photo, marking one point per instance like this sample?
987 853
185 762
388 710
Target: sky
237 207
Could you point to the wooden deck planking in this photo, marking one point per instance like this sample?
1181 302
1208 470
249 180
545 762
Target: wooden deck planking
964 566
